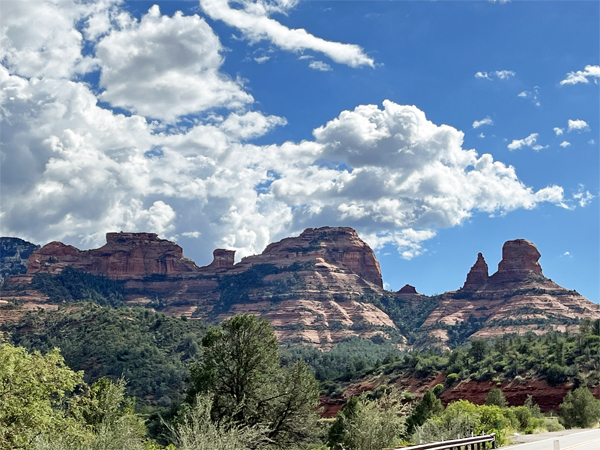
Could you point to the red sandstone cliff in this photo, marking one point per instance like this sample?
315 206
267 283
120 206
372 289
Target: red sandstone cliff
312 294
313 287
125 256
516 299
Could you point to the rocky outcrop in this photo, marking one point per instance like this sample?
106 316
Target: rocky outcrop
339 246
478 275
311 287
407 289
319 288
14 256
125 256
519 262
223 258
518 298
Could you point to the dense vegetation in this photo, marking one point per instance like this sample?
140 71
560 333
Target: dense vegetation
243 396
349 359
407 316
555 357
152 351
46 405
71 285
241 370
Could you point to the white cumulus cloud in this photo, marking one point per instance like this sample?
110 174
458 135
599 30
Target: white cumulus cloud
164 67
577 125
73 170
565 144
558 131
583 76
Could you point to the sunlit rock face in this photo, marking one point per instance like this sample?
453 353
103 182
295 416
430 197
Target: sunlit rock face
313 288
519 261
317 288
334 245
518 298
124 256
478 275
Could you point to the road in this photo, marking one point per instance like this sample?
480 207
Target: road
581 440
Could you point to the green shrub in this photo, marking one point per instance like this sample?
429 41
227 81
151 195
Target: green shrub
451 379
579 409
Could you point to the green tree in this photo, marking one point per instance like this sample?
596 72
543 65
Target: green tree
478 350
33 390
368 425
428 407
496 397
196 430
241 370
579 409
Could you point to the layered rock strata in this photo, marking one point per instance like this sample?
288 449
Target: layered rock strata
518 298
317 288
125 256
310 287
478 275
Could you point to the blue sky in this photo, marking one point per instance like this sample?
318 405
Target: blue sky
436 129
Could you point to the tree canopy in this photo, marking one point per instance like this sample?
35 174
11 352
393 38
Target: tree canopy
241 370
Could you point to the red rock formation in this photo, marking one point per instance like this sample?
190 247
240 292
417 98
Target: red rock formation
222 258
408 289
319 281
516 299
519 262
478 275
125 256
315 288
340 246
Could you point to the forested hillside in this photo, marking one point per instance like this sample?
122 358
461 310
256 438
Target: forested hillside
150 350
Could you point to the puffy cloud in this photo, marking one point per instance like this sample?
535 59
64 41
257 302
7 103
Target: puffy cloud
577 125
498 74
583 76
164 67
39 38
72 170
486 121
254 22
558 131
565 144
529 141
319 65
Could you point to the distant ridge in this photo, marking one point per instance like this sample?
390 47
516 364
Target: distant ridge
317 288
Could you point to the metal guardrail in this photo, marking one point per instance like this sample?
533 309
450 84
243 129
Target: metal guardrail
476 443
